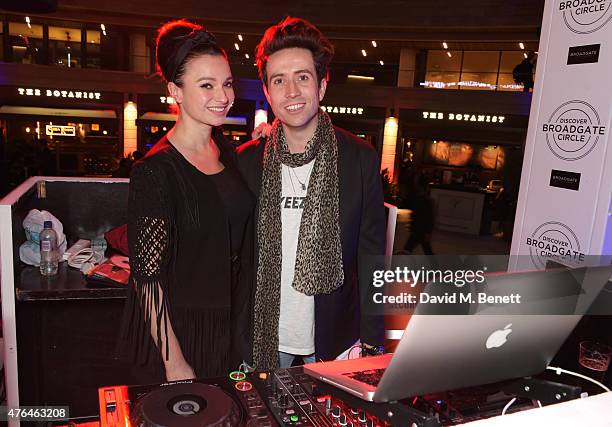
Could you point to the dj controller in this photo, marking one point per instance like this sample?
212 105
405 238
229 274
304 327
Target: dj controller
285 397
289 397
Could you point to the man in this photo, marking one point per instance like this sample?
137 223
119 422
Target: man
320 208
523 72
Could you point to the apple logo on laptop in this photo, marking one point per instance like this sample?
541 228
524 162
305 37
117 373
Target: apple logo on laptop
499 337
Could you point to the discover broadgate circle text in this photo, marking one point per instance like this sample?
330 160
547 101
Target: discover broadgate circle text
554 241
586 16
573 130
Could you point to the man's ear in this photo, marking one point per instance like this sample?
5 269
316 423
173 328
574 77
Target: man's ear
175 92
266 93
322 89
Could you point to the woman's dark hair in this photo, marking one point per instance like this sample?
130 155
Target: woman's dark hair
295 32
177 43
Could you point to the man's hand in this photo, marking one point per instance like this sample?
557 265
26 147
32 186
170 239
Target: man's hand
179 371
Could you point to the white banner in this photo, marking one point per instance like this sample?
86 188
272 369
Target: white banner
566 183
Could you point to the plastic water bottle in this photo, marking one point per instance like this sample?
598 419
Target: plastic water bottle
49 254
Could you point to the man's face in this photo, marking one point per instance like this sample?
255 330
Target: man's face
292 89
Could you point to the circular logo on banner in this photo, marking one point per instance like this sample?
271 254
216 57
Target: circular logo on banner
573 130
554 241
586 16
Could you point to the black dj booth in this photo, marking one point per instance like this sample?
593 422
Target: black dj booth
60 338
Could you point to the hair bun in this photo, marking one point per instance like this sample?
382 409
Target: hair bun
177 41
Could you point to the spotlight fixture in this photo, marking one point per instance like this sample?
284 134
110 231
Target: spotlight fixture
522 46
27 19
374 43
449 54
381 62
444 45
246 55
103 28
237 46
240 37
524 55
363 52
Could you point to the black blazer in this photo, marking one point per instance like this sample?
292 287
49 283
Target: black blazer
338 319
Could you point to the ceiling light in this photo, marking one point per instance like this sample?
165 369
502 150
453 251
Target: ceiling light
236 46
374 43
246 55
363 52
240 37
27 19
381 62
525 55
521 45
102 27
449 54
444 45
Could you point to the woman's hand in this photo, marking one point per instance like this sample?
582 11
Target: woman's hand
261 131
179 371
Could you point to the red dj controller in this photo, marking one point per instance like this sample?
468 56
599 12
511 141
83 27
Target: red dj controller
289 397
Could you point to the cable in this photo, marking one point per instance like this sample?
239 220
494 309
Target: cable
559 371
508 405
83 256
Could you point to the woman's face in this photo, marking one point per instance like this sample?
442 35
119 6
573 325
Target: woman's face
207 92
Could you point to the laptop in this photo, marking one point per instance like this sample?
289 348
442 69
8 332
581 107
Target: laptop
451 351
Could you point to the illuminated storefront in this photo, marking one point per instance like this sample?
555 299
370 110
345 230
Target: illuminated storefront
462 146
74 131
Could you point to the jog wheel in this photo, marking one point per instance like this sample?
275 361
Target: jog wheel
186 405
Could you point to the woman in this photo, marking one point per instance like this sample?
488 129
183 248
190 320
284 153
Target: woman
188 213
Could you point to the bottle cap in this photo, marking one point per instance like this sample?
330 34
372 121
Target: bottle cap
48 224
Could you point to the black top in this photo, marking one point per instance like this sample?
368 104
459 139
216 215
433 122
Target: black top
238 203
184 246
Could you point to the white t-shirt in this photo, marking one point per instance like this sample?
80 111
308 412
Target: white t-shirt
296 324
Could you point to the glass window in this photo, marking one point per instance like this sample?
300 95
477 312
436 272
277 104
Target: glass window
93 37
478 81
441 80
65 46
480 61
93 49
22 29
509 60
438 60
26 43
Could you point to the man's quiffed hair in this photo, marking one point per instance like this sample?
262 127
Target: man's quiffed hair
295 32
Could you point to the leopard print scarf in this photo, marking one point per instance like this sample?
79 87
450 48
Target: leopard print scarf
318 266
